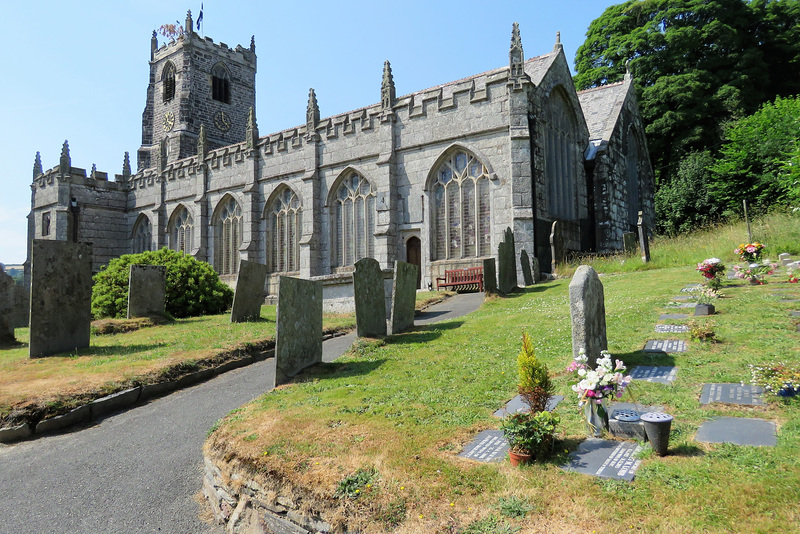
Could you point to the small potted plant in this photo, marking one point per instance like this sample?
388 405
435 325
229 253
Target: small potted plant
529 435
705 299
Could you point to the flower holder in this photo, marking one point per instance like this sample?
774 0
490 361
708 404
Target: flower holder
657 426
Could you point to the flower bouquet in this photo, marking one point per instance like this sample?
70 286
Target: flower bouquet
792 277
712 269
749 252
754 272
595 386
777 378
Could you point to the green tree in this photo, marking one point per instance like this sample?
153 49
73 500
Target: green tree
685 203
192 286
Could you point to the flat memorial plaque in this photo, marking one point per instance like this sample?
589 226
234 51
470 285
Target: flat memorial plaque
666 316
790 300
681 305
671 328
794 314
739 431
661 374
518 405
732 394
682 297
488 446
691 288
605 459
666 345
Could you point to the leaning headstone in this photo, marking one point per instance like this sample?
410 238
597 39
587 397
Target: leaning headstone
556 246
61 297
507 270
644 243
6 308
588 311
370 298
249 294
629 242
785 258
404 296
147 290
489 276
537 270
298 331
525 262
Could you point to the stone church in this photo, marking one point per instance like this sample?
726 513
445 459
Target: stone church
432 178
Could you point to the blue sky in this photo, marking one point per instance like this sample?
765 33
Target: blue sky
79 70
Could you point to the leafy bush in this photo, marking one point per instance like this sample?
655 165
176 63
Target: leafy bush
534 384
685 204
193 287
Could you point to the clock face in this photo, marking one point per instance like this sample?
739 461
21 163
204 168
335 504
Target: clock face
222 121
169 121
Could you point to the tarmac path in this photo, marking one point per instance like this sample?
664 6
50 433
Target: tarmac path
140 470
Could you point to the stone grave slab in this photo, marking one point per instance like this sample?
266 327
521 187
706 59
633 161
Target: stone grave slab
147 290
298 330
691 288
666 345
404 296
624 420
659 374
668 316
249 294
605 459
732 394
790 300
794 314
518 405
738 431
588 313
681 305
488 446
682 298
671 328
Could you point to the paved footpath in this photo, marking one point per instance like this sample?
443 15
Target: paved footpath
139 471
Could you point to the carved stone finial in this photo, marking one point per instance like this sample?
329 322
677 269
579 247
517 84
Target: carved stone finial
253 43
153 45
37 165
388 96
187 30
252 129
312 114
93 174
65 163
558 46
628 72
516 57
202 144
126 166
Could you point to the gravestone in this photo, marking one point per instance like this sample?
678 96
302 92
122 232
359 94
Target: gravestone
22 302
7 294
732 394
682 298
671 328
738 431
537 270
507 268
666 345
525 262
488 446
660 374
249 294
588 311
556 246
404 296
682 305
61 297
489 276
785 258
370 298
517 404
644 242
605 459
666 316
298 331
147 290
629 243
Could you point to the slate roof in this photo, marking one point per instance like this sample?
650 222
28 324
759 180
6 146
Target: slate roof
601 108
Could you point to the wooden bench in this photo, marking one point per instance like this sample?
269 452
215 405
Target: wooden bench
460 278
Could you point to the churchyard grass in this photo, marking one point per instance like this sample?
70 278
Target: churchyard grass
405 407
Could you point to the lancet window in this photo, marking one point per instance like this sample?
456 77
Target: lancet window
142 235
168 82
228 237
560 158
353 221
284 227
220 84
181 228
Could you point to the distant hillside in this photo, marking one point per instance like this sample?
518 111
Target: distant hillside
16 272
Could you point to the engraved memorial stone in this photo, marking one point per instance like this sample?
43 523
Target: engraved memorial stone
671 328
732 394
488 446
298 330
644 242
525 263
666 345
489 276
370 298
7 294
681 298
249 294
537 270
404 296
518 405
666 316
629 242
507 268
661 374
605 459
739 431
785 258
147 290
682 305
556 246
588 312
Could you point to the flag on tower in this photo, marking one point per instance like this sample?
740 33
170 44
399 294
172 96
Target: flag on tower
200 18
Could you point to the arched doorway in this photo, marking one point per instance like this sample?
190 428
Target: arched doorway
414 255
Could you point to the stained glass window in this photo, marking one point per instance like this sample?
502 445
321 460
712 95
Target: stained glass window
284 226
560 157
181 227
353 221
228 237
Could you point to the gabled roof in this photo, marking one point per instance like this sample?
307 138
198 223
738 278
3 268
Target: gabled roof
537 67
601 108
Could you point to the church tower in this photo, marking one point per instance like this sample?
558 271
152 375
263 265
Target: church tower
194 82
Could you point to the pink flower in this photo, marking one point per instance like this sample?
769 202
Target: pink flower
750 249
590 393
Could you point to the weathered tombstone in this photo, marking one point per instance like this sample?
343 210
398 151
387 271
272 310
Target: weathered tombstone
556 246
22 302
785 258
298 330
629 243
61 297
489 276
147 289
370 298
537 270
644 243
507 270
7 292
249 294
404 296
525 261
588 310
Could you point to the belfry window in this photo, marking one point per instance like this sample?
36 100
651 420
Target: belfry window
228 237
168 82
353 228
181 227
461 209
142 235
220 84
560 157
284 226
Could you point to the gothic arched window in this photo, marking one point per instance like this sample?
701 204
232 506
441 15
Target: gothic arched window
220 84
168 82
560 157
228 226
284 226
461 208
181 227
353 224
142 235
